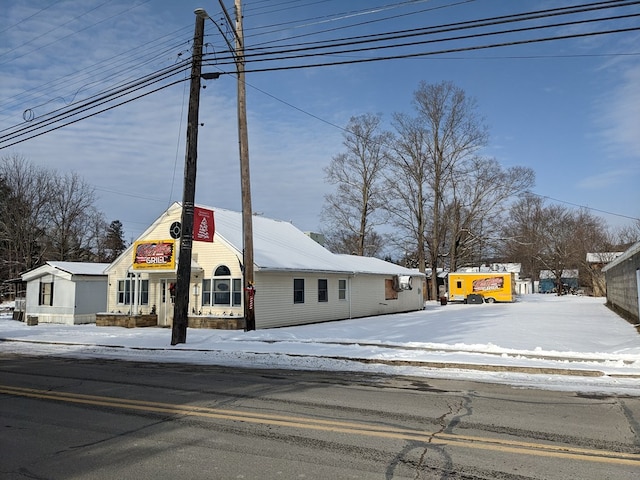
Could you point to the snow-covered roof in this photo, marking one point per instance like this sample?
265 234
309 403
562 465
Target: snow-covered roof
71 268
546 274
633 250
602 257
493 268
81 268
279 245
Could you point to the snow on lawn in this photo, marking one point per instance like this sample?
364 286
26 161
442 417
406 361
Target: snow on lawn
569 342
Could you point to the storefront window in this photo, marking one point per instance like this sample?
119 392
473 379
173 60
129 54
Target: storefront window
127 289
222 290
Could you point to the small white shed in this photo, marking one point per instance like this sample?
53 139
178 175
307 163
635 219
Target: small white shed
66 292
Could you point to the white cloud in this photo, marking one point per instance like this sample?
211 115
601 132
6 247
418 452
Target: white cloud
607 179
619 115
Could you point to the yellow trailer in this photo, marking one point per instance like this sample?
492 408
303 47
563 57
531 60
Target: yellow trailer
491 287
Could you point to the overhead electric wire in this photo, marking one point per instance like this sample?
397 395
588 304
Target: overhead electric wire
22 20
250 56
116 89
439 52
476 23
85 86
583 8
33 39
132 7
93 114
47 120
334 29
469 24
110 64
583 206
284 55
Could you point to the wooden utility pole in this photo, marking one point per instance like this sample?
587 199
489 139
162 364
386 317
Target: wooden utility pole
183 276
247 215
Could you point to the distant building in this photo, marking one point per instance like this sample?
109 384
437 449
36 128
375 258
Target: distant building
549 282
596 262
622 277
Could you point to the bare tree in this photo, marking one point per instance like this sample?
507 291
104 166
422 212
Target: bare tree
354 210
407 190
431 151
592 237
71 213
628 235
45 216
474 215
24 214
524 234
556 238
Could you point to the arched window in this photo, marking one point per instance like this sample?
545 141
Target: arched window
222 271
222 286
221 289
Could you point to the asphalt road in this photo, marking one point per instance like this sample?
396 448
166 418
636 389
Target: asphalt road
93 419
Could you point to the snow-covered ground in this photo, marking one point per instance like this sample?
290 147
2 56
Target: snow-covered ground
570 343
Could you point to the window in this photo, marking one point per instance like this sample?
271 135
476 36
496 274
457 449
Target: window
237 292
222 271
206 292
127 291
222 286
144 292
298 290
222 289
124 292
342 289
459 284
46 293
323 294
390 292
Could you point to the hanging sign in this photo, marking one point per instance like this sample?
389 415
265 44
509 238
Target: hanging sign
203 225
154 255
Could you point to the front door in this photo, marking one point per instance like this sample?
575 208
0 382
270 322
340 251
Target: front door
167 297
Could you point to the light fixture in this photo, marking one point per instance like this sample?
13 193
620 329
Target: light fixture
201 12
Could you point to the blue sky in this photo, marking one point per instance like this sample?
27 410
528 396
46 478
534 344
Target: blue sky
569 109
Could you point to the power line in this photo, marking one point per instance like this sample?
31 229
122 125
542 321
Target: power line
583 206
79 111
109 68
51 117
466 25
280 55
432 30
434 52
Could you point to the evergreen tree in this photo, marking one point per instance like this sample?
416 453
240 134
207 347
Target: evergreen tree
114 242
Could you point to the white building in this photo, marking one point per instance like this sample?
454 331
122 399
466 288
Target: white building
66 292
297 280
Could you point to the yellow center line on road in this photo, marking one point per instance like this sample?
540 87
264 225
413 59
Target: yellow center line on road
336 426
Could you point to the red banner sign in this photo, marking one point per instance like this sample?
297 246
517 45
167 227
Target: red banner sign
203 225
